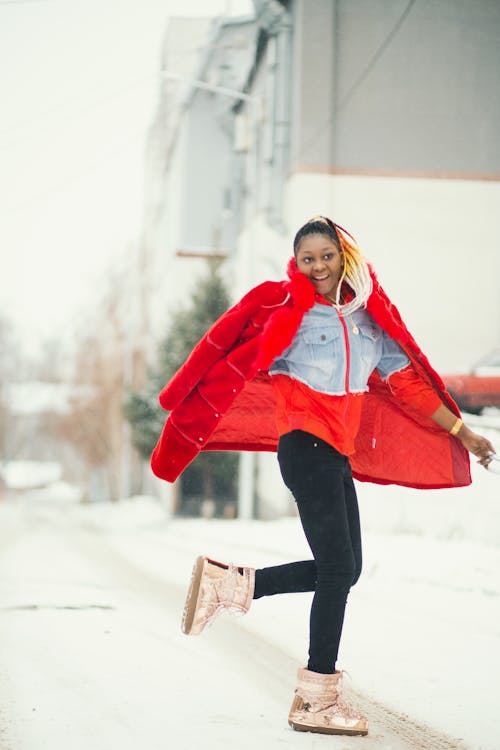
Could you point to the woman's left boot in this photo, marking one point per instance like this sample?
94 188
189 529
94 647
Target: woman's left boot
318 707
214 587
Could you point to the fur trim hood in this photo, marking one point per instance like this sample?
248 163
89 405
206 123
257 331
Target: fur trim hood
280 329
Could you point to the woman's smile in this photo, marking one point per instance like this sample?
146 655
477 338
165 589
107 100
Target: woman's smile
319 258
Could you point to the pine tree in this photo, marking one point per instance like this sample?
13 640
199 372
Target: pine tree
212 474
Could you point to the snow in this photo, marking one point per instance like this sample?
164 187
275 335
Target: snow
422 630
58 492
92 646
37 397
20 475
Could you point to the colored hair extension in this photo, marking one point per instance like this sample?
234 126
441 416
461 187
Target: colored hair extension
355 273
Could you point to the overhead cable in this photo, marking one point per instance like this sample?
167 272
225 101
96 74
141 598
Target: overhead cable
360 79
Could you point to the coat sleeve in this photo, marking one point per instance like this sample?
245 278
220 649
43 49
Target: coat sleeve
218 340
386 314
410 388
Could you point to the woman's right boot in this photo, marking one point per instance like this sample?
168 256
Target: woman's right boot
318 707
215 587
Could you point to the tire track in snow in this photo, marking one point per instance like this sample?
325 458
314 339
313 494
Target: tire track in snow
389 729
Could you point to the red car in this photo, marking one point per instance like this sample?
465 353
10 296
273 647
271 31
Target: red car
479 388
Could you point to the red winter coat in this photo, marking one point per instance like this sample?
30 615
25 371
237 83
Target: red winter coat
222 397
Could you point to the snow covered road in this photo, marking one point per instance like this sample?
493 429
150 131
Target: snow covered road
92 655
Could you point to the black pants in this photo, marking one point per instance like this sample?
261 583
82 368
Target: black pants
321 481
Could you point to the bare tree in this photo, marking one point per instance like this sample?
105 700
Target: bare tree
94 422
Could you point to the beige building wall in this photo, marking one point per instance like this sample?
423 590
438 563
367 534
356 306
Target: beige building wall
435 246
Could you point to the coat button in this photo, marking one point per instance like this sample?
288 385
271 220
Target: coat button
323 337
200 439
216 414
234 390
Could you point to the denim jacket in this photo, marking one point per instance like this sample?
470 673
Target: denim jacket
330 357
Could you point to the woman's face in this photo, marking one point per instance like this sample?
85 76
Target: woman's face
319 258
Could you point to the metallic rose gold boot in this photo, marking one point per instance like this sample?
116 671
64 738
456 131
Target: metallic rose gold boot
318 707
216 586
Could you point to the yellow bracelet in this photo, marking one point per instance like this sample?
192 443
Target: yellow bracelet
456 427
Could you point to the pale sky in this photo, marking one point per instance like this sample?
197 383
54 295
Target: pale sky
78 87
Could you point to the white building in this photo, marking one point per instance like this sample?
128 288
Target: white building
384 116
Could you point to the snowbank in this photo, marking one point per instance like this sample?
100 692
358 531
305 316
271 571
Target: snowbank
20 475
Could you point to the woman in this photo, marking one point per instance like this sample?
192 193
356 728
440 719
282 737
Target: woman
323 368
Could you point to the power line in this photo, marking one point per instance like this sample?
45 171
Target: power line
361 78
70 111
75 177
376 56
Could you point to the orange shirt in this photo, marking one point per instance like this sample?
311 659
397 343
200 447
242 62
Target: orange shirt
336 419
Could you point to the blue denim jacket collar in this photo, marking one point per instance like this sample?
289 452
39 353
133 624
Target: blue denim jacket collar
327 344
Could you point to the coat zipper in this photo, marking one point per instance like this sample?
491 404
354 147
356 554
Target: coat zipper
347 352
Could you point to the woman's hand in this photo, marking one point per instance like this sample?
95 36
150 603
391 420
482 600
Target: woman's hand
476 444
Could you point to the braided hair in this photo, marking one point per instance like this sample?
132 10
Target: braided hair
355 268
